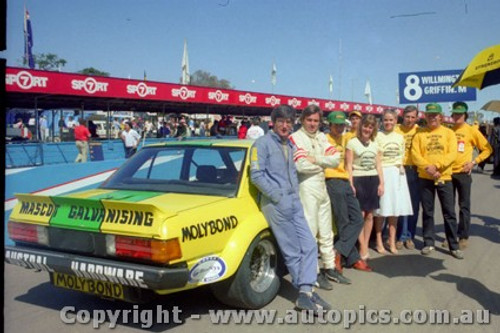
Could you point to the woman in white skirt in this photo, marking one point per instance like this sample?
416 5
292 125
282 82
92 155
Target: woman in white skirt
396 199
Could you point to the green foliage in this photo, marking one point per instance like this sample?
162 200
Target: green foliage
49 61
203 78
93 71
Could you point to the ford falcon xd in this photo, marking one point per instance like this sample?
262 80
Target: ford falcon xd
176 216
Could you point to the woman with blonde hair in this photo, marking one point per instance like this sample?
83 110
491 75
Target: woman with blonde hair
396 199
363 163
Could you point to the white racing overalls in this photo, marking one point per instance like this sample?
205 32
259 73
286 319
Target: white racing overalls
312 188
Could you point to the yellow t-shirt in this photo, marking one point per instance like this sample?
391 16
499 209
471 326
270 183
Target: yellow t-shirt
408 134
349 135
469 137
340 171
364 161
392 146
434 147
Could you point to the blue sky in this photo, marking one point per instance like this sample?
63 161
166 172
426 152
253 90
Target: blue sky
238 40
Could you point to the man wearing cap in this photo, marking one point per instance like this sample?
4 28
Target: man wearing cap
468 138
345 207
354 118
273 172
434 149
407 225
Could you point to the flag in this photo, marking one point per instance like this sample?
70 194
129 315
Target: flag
273 75
368 92
185 65
145 76
330 85
28 40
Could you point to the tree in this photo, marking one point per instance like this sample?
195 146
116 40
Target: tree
202 78
93 71
49 61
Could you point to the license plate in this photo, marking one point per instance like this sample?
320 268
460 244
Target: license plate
96 287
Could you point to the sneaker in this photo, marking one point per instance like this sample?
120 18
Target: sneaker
462 244
305 302
409 244
320 302
458 254
427 250
335 276
399 245
322 282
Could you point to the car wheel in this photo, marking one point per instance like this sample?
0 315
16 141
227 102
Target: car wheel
256 282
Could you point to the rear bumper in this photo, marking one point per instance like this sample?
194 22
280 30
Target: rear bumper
127 274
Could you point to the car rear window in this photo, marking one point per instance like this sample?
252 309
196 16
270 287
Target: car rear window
182 169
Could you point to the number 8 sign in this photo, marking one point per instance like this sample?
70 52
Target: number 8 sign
412 91
424 87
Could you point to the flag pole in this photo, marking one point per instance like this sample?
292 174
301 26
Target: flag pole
273 76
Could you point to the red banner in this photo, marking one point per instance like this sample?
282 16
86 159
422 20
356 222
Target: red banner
58 83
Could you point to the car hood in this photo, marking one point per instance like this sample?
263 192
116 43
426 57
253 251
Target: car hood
134 213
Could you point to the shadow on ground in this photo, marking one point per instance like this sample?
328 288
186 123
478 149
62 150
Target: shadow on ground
406 265
174 310
490 230
488 299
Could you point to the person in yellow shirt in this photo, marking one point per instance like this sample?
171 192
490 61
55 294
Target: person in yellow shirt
346 211
468 138
407 225
434 149
355 119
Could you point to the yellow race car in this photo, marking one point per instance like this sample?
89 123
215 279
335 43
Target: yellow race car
175 216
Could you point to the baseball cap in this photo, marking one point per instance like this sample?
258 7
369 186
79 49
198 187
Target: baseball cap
336 117
433 108
356 113
459 107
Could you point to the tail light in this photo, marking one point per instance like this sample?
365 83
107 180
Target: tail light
28 233
159 251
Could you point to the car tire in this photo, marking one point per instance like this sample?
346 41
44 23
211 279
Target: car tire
256 282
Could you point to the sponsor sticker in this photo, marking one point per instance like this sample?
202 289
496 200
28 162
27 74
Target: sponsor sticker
254 159
461 146
208 269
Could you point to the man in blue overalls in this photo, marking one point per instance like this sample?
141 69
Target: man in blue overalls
273 171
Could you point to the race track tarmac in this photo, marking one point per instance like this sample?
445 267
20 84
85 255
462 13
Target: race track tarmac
403 294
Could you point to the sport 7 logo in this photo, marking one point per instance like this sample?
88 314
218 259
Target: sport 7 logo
25 80
184 93
141 89
89 85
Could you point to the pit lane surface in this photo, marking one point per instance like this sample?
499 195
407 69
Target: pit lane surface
407 281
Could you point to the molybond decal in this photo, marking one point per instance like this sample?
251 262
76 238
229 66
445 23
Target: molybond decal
32 208
78 214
